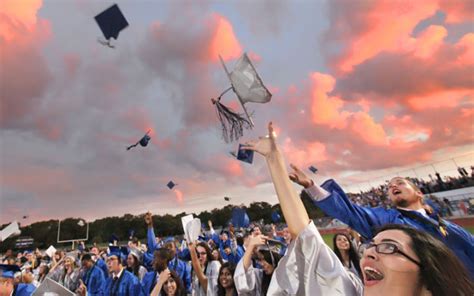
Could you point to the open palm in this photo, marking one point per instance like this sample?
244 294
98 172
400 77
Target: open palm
264 145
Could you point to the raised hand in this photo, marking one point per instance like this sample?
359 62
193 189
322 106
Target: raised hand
148 219
299 177
264 145
257 240
164 276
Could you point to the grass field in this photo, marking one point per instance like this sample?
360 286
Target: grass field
328 237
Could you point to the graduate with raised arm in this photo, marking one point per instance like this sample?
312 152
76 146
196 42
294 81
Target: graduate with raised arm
409 209
174 264
310 267
206 270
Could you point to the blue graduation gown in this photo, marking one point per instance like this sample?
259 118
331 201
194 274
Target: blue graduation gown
149 281
95 281
103 266
152 246
367 220
183 271
126 285
24 290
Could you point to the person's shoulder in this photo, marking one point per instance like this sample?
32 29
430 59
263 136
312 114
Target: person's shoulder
215 264
149 274
129 276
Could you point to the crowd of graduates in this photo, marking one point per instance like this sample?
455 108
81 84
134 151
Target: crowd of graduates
161 266
407 249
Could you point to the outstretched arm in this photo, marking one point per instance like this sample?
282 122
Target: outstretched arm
197 267
291 205
151 240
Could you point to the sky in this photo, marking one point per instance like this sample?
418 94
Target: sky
363 90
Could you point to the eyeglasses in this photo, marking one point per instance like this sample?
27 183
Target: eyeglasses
201 253
387 249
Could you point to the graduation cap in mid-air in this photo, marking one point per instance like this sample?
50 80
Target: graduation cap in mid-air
245 155
248 86
226 198
25 217
111 21
81 223
143 141
313 169
171 184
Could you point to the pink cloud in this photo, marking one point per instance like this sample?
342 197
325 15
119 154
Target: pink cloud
364 31
326 109
23 71
223 42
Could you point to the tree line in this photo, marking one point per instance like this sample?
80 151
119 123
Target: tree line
45 233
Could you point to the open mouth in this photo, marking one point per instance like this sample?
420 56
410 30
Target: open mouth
396 191
372 276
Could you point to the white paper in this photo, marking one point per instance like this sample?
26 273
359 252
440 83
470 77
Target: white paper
194 229
51 251
185 220
12 229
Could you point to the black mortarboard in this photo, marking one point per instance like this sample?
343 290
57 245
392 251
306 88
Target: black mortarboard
143 141
171 184
245 155
313 169
111 21
227 198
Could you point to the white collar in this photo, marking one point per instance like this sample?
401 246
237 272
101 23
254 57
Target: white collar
120 273
421 211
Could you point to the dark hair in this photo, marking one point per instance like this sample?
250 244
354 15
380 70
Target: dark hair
220 289
441 272
219 257
135 268
353 254
208 252
266 278
161 257
86 257
180 290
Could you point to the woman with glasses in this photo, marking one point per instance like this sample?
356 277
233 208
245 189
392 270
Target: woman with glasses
398 261
401 260
206 270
